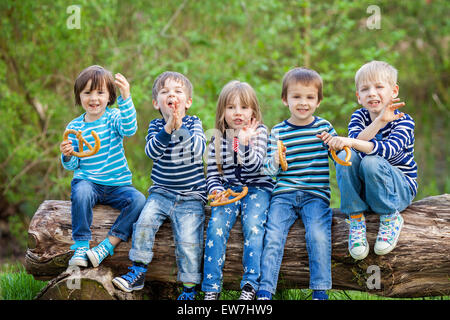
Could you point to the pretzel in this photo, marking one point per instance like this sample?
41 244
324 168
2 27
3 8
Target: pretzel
347 157
282 154
81 140
227 193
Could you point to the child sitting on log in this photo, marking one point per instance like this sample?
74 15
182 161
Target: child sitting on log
383 174
175 143
103 178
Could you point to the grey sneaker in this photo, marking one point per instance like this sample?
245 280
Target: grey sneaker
97 254
357 241
388 233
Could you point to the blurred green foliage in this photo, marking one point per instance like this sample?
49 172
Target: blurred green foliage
211 42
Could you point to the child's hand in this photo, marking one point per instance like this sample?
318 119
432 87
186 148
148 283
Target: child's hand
388 115
335 143
248 132
66 148
177 120
124 86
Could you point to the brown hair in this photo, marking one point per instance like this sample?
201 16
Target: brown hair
99 76
163 77
305 76
229 92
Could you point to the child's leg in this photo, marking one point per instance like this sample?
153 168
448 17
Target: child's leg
222 220
254 216
280 218
155 211
386 187
316 217
84 196
350 185
188 219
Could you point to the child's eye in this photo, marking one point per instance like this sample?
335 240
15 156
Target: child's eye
311 97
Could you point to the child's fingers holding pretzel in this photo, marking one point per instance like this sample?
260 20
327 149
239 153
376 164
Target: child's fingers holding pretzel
66 148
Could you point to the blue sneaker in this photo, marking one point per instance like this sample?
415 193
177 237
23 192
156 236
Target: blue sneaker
79 257
388 233
263 295
319 295
97 254
133 280
187 294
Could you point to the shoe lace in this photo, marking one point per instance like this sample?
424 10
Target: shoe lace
132 275
357 231
80 252
248 293
101 251
385 230
187 295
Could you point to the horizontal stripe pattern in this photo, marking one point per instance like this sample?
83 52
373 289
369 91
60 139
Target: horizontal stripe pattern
307 157
394 142
109 165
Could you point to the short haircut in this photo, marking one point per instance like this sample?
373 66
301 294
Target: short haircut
302 75
163 77
374 71
99 76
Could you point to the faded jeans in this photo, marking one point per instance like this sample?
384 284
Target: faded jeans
86 194
187 217
316 215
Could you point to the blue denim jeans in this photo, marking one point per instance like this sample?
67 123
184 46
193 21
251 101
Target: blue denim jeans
86 194
372 184
187 217
253 208
316 215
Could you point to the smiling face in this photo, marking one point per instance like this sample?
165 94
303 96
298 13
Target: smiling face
172 93
376 95
94 101
302 100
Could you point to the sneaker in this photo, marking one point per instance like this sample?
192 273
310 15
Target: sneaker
248 293
263 295
187 294
79 257
212 295
133 280
97 254
388 233
319 295
357 242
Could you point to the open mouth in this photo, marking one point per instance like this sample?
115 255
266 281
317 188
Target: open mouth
374 103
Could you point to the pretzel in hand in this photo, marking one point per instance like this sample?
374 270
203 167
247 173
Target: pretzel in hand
282 155
81 141
347 157
224 197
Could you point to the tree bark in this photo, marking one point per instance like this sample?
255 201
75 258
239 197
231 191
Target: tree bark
419 266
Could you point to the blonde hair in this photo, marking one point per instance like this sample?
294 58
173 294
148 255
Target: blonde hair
374 71
230 91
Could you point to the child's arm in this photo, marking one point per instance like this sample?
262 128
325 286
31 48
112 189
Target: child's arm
125 123
157 141
338 143
253 147
272 162
213 176
386 116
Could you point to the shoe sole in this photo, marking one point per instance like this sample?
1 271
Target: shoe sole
92 258
362 255
122 285
390 248
78 263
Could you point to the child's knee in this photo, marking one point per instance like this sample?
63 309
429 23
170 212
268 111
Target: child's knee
82 191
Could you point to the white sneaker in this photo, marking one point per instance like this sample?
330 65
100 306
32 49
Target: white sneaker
357 242
388 233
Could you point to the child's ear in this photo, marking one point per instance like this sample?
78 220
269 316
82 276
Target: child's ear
285 102
188 103
155 104
357 96
395 90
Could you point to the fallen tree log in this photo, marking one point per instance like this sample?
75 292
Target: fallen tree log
419 266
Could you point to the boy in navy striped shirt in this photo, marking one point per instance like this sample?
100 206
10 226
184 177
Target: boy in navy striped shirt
175 143
103 178
383 174
303 190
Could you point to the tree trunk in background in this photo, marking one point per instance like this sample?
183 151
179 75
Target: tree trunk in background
419 266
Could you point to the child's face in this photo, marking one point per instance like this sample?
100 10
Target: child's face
237 115
302 100
94 101
376 95
173 92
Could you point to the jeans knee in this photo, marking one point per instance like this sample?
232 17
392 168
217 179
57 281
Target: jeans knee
83 191
371 166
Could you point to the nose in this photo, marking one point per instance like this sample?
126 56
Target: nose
372 91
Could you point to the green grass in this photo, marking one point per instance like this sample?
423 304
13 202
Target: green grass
17 284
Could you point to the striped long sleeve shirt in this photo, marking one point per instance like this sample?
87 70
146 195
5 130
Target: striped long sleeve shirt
243 167
394 142
177 157
307 157
109 165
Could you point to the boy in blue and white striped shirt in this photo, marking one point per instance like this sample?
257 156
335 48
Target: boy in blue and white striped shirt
175 143
103 178
303 190
383 175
